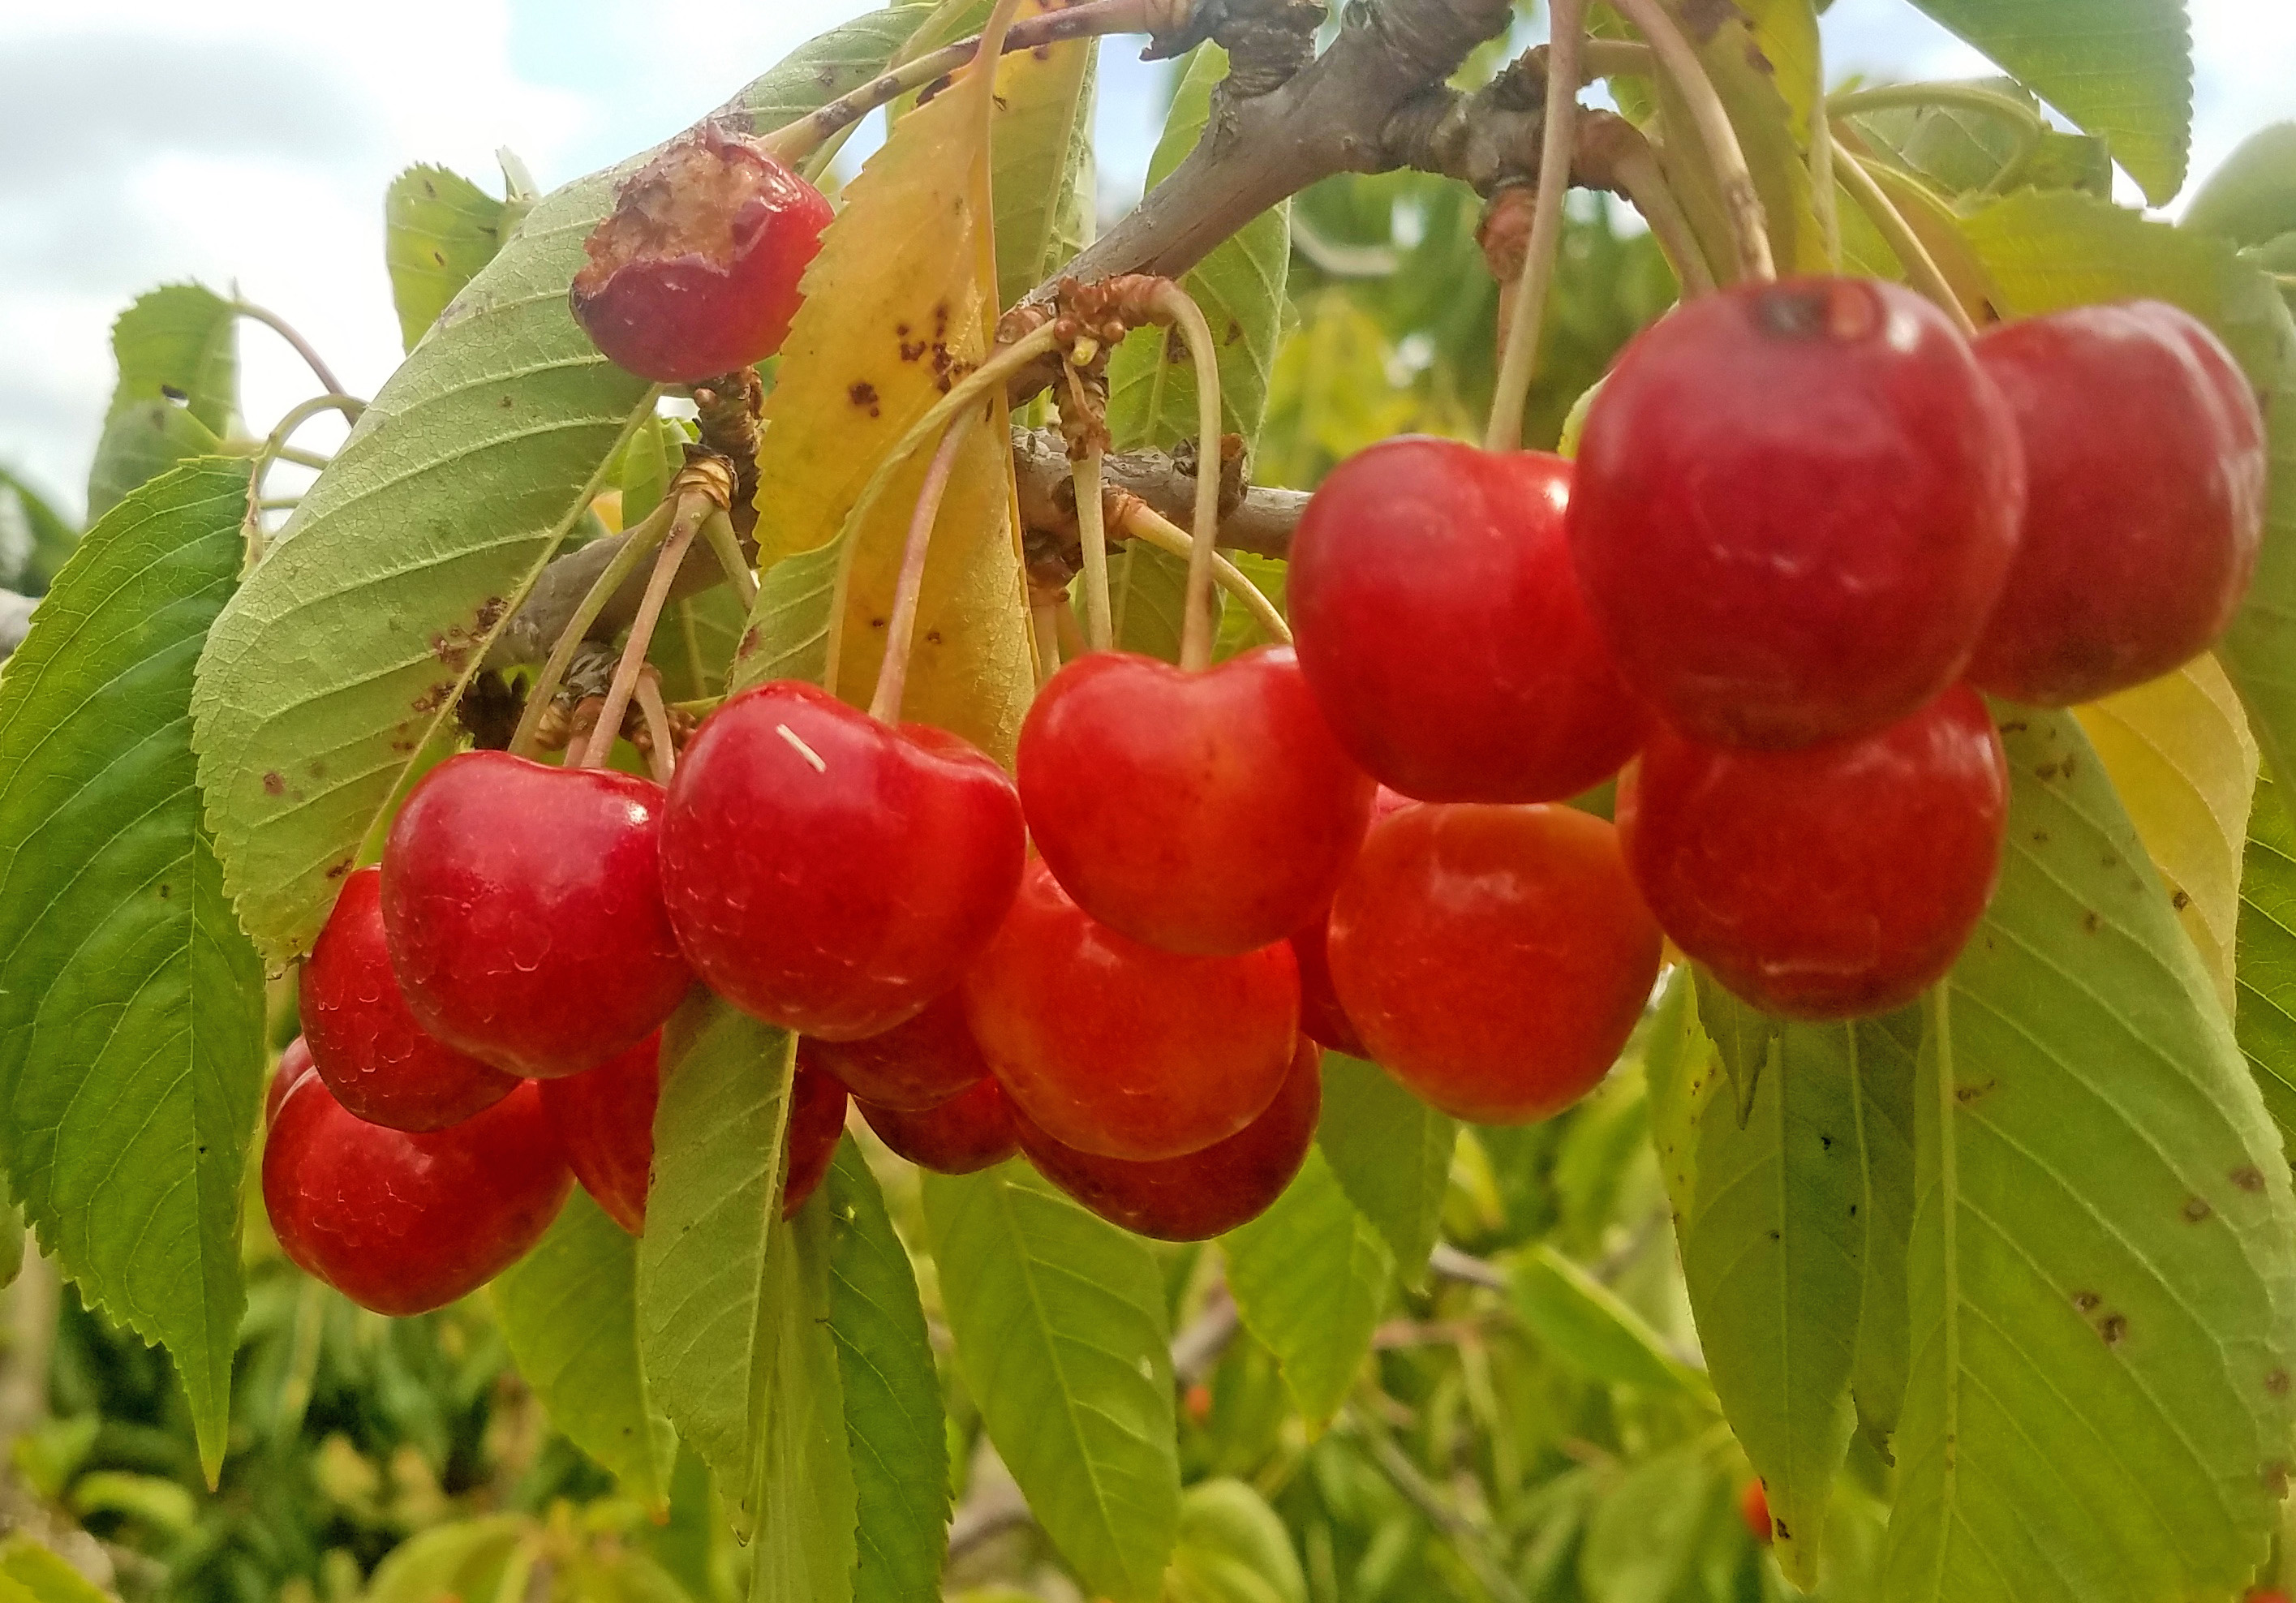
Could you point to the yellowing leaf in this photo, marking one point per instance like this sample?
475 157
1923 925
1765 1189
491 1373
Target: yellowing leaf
1043 150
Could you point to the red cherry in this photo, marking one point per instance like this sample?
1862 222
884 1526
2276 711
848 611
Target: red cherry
1754 1509
1124 1050
911 1067
2146 455
1204 812
816 1118
696 271
1795 506
402 1223
1439 621
523 904
1321 1016
971 1130
294 1063
1203 1194
1827 883
831 874
364 1039
1494 958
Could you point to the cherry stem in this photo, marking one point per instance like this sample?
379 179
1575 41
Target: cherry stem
691 515
1196 627
1045 625
2021 120
1520 360
636 545
1648 192
1139 522
1092 528
1824 198
275 449
663 758
1741 201
1921 267
901 628
726 545
303 348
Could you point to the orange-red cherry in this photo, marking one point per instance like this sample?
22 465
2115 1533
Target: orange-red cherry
1321 1016
1754 1509
1124 1050
816 1118
1208 812
294 1063
1827 883
913 1067
1439 621
1494 959
971 1130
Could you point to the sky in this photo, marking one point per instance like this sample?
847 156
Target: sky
248 141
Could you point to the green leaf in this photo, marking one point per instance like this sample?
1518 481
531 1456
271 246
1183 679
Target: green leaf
1643 1537
1233 1549
2251 199
463 1560
1391 1154
141 441
569 1311
1888 1050
1148 600
439 229
1310 1278
1239 285
804 1495
706 1260
2266 1015
1041 156
179 343
131 1009
2103 1271
2122 69
1063 1339
893 1420
1770 111
1584 1321
345 652
34 538
43 1576
1681 1069
1964 151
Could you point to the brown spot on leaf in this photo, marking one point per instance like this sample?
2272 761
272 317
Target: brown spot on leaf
932 637
2113 1328
2248 1178
2092 921
864 394
2180 900
2277 1383
2040 837
432 700
339 870
2087 1301
1966 1094
2046 771
166 891
275 783
2276 1477
2197 1211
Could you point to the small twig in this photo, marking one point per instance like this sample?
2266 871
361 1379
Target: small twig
1136 520
634 654
636 543
1092 529
725 544
1171 301
1748 227
286 330
1921 267
1197 1349
663 758
1503 431
901 627
1471 1539
1453 1264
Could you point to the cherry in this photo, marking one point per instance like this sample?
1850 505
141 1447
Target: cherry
1794 508
831 874
971 1130
913 1067
1827 883
1206 813
404 1223
604 1118
1124 1050
363 1037
523 905
1494 959
2146 460
1440 624
294 1063
696 271
1321 1016
1754 1509
1202 1194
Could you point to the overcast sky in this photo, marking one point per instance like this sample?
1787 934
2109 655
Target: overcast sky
144 141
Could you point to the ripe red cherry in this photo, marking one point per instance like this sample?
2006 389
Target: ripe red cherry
830 874
696 271
1440 624
604 1119
1754 1509
1494 959
910 1067
1827 883
364 1040
1124 1050
1204 812
1203 1194
403 1222
2145 452
294 1063
971 1130
1794 508
1321 1016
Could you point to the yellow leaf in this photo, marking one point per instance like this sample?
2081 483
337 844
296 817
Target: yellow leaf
1043 147
2180 753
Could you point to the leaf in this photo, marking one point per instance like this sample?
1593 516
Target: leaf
568 1310
2267 1013
804 1495
141 441
1391 1154
705 1263
2184 767
179 343
2103 1271
1310 1278
1043 149
1888 1050
463 1560
1329 395
2122 69
1966 153
343 654
1063 1339
43 1574
34 538
131 1009
893 1420
1584 1321
2251 199
1642 1538
1240 286
1771 115
439 229
1681 1069
1148 600
1233 1549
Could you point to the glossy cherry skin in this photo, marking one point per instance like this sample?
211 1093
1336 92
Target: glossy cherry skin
1495 960
830 874
364 1038
603 1117
1438 620
1827 883
1204 812
1794 508
1124 1050
913 1067
2145 457
971 1132
404 1223
1321 1016
523 907
1754 1509
696 271
294 1063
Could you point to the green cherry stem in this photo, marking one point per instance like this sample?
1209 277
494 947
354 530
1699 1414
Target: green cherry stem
1092 526
1824 193
1741 201
1196 629
663 758
901 627
636 545
1921 267
1045 628
303 348
1139 522
726 545
1520 360
683 528
1636 171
